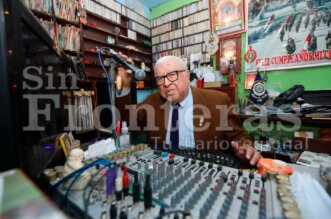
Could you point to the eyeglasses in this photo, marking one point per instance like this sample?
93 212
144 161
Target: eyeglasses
171 76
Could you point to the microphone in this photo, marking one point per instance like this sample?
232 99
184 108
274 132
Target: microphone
139 74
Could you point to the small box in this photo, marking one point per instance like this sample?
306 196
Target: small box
140 84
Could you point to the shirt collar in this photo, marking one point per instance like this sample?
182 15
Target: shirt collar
188 100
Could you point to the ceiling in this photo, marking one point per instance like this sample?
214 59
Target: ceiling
152 3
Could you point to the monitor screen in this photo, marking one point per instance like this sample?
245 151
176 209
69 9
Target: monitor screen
143 94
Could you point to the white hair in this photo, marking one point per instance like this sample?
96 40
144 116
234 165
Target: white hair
172 60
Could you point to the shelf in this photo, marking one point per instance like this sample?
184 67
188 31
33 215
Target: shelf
182 17
181 37
205 9
286 119
83 131
94 36
95 53
105 19
141 34
180 47
69 52
120 36
124 16
183 30
119 47
196 33
47 16
127 18
117 24
104 42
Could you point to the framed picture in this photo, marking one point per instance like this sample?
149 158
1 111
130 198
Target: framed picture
287 36
65 143
229 55
227 16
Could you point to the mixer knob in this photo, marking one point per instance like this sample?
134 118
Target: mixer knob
225 178
171 161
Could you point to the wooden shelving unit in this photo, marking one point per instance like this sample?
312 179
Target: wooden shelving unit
172 38
59 20
94 37
40 13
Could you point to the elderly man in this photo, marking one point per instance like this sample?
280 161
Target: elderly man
187 117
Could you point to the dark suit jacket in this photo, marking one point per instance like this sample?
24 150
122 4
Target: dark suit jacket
207 135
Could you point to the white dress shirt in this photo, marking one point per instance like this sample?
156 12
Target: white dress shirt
185 123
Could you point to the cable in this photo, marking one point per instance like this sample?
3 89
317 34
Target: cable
86 200
68 189
118 185
102 161
147 193
77 174
126 181
136 189
73 182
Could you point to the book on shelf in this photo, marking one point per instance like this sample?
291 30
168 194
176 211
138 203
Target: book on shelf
68 36
65 9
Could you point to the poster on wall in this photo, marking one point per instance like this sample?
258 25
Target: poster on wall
227 16
288 34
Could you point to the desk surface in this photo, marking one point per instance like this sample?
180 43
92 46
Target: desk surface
286 118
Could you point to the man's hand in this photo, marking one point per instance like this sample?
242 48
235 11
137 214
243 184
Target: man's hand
246 152
125 74
127 59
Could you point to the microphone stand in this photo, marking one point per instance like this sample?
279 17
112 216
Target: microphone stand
111 82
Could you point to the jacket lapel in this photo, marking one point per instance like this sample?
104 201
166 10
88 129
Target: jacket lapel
162 117
199 121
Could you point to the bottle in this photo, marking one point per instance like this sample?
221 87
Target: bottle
142 66
125 138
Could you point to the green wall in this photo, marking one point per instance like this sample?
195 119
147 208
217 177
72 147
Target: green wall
168 6
313 78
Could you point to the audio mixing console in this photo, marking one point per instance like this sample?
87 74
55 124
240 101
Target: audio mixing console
164 185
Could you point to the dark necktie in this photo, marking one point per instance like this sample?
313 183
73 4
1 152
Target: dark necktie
174 133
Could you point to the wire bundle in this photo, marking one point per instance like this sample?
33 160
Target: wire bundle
76 174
